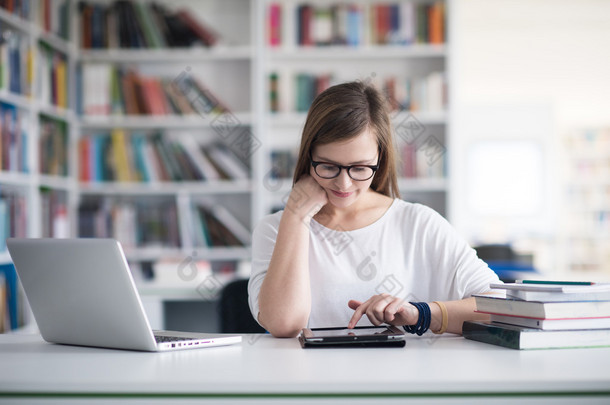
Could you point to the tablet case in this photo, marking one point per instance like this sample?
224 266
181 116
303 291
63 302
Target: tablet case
334 341
345 345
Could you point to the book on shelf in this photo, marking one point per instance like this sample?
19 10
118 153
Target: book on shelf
538 309
193 150
283 163
216 226
416 163
52 77
4 322
13 216
136 224
53 146
19 9
555 291
141 25
51 16
16 62
426 93
54 213
519 337
12 299
308 86
354 24
274 104
275 24
13 140
226 161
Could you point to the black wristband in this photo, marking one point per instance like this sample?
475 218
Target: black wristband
423 320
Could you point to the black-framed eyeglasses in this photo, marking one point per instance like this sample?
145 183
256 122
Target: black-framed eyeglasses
355 172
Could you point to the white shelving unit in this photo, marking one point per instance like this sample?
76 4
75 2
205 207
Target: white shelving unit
363 62
585 225
33 108
236 71
228 70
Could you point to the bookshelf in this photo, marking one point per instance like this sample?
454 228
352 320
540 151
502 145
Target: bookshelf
179 152
37 124
66 184
37 188
585 228
400 46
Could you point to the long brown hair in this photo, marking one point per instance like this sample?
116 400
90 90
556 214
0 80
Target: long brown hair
343 112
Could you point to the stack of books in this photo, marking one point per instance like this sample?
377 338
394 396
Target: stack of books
544 315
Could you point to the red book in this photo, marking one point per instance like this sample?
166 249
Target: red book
84 145
46 7
322 83
275 24
383 23
86 17
129 93
306 21
152 97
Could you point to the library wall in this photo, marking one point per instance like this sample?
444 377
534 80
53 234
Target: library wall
533 70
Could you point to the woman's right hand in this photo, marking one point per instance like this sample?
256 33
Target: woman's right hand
306 198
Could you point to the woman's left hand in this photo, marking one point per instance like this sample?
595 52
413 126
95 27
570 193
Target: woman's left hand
384 308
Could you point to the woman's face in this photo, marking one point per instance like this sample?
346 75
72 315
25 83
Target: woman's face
342 190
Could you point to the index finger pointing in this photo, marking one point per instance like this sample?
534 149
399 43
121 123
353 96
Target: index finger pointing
357 315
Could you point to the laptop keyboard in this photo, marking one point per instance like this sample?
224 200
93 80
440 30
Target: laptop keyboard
164 339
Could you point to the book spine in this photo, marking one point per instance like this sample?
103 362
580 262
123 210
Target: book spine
275 24
12 295
491 334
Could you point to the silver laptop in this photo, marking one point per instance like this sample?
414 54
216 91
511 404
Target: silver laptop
81 292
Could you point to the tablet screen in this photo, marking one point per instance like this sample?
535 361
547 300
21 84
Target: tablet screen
352 332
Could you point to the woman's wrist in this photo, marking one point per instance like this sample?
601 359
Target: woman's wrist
437 317
431 316
423 320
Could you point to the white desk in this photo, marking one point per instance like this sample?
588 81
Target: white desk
435 369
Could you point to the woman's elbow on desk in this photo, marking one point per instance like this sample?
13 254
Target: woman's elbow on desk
282 328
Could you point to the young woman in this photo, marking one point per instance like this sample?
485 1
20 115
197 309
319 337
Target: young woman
346 250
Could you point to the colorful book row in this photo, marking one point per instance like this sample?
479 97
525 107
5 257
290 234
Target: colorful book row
403 23
53 73
427 93
142 223
140 157
136 24
111 90
19 8
13 140
53 16
425 160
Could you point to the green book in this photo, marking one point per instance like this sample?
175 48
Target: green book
519 337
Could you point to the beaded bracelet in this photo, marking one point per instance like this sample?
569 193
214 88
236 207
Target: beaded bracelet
423 320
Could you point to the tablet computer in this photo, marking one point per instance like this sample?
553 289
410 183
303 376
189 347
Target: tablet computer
368 336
